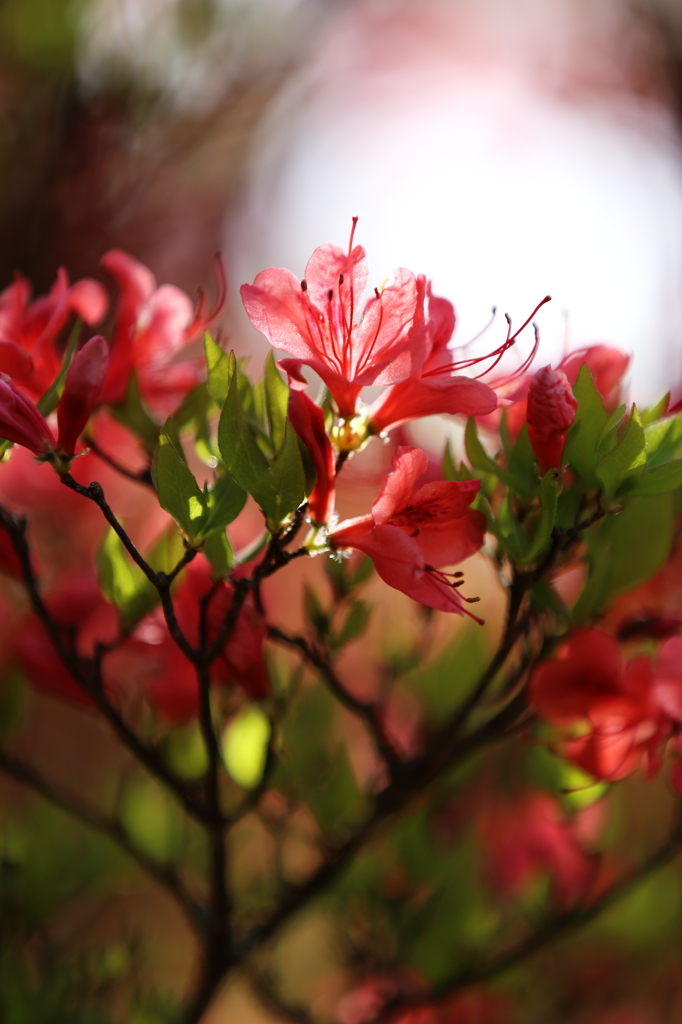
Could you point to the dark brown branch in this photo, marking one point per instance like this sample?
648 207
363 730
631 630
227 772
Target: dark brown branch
164 874
139 476
216 948
366 711
553 930
86 673
265 988
414 777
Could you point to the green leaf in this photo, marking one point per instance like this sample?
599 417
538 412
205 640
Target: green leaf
522 465
276 401
315 615
218 551
355 624
236 439
132 414
281 489
549 503
656 411
224 501
245 746
179 493
641 539
590 419
595 593
627 461
660 480
508 530
217 374
123 583
608 437
479 458
448 468
663 440
625 551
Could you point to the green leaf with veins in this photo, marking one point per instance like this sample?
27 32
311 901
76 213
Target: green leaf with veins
179 493
590 420
626 462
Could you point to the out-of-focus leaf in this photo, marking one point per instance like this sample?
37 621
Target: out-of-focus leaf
522 464
355 623
50 400
626 462
185 752
660 480
217 374
641 539
590 419
132 414
151 818
218 551
549 502
663 440
245 745
656 411
625 551
123 583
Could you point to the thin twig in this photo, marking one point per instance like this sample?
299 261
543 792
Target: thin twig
139 476
364 710
552 930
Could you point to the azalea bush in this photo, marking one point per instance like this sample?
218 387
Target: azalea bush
282 715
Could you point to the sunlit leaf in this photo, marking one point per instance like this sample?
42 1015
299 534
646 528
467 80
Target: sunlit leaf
245 746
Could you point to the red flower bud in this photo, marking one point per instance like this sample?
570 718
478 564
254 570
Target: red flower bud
551 411
83 384
21 422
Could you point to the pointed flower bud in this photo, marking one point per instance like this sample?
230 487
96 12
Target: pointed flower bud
551 411
82 387
20 420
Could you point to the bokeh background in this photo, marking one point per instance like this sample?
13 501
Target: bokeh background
506 148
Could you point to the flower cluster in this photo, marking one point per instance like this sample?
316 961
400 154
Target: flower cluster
612 716
140 588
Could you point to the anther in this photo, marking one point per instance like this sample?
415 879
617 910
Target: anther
458 575
304 285
471 600
340 278
377 293
330 294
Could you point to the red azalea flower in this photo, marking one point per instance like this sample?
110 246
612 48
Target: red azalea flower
153 326
527 836
409 533
29 330
21 422
307 419
610 715
81 389
315 321
79 607
551 411
432 389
